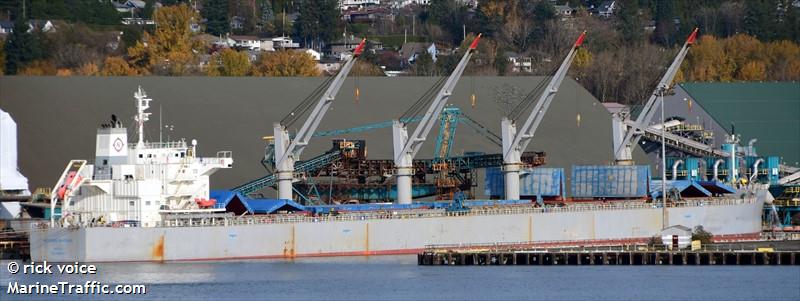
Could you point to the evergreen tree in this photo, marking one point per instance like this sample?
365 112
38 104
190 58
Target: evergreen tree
759 19
665 23
21 47
318 20
149 7
92 12
791 23
451 16
216 14
629 23
43 9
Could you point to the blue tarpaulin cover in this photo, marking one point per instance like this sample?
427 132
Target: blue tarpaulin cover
685 187
238 203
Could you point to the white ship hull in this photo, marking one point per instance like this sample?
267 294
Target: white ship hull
382 236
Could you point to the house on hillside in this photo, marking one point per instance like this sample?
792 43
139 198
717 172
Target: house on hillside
606 9
41 26
6 27
519 63
411 51
344 46
348 4
564 10
313 53
284 43
246 42
404 3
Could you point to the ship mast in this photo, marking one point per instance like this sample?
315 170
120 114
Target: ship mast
142 104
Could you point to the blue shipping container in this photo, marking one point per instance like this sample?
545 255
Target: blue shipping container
615 181
545 182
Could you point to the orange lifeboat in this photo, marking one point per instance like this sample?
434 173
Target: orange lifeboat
205 203
72 178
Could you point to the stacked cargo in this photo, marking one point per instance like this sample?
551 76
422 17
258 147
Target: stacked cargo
543 182
615 181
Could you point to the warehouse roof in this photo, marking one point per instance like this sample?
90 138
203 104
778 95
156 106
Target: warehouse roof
769 112
239 204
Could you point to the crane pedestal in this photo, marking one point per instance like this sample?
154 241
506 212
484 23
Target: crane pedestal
511 172
285 179
404 184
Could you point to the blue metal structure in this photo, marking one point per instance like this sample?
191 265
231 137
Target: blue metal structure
610 181
539 181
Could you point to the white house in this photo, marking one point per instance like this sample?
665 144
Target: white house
284 42
6 27
564 10
676 236
314 54
410 51
404 3
347 4
607 8
246 42
519 63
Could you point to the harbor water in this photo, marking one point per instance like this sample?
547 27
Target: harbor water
400 278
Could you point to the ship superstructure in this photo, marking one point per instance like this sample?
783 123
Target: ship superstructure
135 183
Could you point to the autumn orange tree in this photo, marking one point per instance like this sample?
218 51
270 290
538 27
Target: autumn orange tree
117 66
742 58
285 63
229 62
170 49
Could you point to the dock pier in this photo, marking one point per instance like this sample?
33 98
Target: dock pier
621 256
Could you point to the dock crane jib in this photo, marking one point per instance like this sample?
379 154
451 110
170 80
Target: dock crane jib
406 147
625 133
515 140
287 149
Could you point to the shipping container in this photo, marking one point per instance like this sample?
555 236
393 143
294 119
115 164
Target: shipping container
610 181
539 181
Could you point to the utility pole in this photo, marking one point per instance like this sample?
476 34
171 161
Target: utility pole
663 164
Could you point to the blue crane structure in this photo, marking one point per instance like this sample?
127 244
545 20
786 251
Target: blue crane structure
443 165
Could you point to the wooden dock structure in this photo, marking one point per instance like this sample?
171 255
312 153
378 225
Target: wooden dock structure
608 257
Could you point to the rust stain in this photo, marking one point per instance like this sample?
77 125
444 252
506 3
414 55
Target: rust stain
158 249
366 241
291 251
530 228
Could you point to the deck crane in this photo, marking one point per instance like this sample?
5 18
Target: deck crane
627 133
515 140
405 146
288 150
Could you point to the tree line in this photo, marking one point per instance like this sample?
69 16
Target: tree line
623 57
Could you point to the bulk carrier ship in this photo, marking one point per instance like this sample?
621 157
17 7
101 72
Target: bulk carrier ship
145 201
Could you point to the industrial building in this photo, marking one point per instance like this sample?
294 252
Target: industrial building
235 113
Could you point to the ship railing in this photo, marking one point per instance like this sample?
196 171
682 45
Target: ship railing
168 144
431 213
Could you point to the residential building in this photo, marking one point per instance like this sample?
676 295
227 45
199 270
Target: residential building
411 51
340 48
519 64
564 10
41 26
348 4
607 8
404 3
246 42
284 43
6 27
313 53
